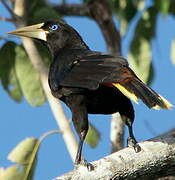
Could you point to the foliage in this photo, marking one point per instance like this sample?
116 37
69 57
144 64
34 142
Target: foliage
18 76
24 155
92 137
7 73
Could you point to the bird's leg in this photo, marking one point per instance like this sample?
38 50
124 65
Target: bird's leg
131 141
80 160
79 152
80 121
81 129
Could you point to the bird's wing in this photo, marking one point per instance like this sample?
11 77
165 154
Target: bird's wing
91 71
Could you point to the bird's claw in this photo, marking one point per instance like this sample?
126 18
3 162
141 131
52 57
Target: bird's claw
133 143
83 162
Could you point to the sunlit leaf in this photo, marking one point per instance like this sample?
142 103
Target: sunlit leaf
12 172
173 51
23 152
140 51
141 62
92 137
28 78
8 75
140 4
24 155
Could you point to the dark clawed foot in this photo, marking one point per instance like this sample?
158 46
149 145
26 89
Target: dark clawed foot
137 148
89 166
133 143
83 162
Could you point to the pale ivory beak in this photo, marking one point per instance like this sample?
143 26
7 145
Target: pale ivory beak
33 31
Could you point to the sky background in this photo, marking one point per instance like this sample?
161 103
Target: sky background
19 121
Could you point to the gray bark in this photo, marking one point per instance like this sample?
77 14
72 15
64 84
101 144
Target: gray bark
156 159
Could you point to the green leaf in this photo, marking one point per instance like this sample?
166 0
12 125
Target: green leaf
171 7
141 62
18 76
11 173
145 28
92 137
24 154
163 6
8 75
28 78
173 51
140 51
125 11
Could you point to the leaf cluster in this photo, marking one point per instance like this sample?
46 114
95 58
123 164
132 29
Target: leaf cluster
143 14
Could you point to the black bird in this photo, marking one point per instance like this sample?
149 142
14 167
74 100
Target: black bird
90 82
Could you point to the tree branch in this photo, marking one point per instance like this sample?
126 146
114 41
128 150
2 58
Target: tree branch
156 159
9 9
116 132
6 19
100 11
36 60
71 10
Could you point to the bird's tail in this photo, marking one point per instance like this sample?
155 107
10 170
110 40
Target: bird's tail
135 89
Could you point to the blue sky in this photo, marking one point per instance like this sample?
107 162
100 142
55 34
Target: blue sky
19 121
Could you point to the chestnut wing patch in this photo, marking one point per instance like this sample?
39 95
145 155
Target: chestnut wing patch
92 71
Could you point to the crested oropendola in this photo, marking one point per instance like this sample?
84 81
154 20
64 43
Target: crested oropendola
90 82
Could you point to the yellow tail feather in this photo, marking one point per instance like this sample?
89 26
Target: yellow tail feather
128 94
133 97
167 104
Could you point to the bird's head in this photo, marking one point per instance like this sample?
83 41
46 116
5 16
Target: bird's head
57 35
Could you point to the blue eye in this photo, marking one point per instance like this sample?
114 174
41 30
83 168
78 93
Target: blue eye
54 27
